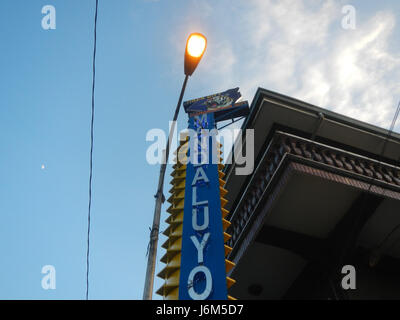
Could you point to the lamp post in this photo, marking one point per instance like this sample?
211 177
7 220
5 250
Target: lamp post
195 47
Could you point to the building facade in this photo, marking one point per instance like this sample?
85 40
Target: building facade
321 207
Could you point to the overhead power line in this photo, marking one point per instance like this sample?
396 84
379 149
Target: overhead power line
91 152
392 126
380 159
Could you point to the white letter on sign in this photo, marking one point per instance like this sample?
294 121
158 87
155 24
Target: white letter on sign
199 175
200 246
204 295
194 198
195 225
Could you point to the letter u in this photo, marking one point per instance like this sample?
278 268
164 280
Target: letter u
195 225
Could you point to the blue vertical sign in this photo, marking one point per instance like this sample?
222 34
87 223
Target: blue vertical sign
202 274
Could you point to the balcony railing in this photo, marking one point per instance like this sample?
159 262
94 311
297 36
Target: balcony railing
284 146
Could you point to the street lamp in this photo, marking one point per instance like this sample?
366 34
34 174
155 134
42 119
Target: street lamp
195 47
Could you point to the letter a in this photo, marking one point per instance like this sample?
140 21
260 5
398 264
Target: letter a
199 175
349 21
349 280
49 280
49 20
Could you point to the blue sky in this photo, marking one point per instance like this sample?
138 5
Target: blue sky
297 48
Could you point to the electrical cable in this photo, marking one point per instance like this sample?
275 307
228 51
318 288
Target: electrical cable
91 151
384 147
358 218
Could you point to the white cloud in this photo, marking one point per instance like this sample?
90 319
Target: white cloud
220 61
299 48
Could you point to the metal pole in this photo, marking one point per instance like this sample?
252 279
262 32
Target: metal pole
151 261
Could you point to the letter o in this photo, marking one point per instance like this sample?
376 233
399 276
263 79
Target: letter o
192 293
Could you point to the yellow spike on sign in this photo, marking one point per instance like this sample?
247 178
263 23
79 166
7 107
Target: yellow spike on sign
176 198
177 170
175 219
176 245
165 291
169 255
176 232
170 199
177 209
165 245
160 291
173 245
171 266
167 231
228 265
172 250
226 237
173 294
224 213
223 191
177 213
228 250
179 186
223 202
230 282
225 224
178 179
182 160
179 166
173 279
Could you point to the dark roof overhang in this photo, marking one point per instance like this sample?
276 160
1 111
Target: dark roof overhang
271 111
314 171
